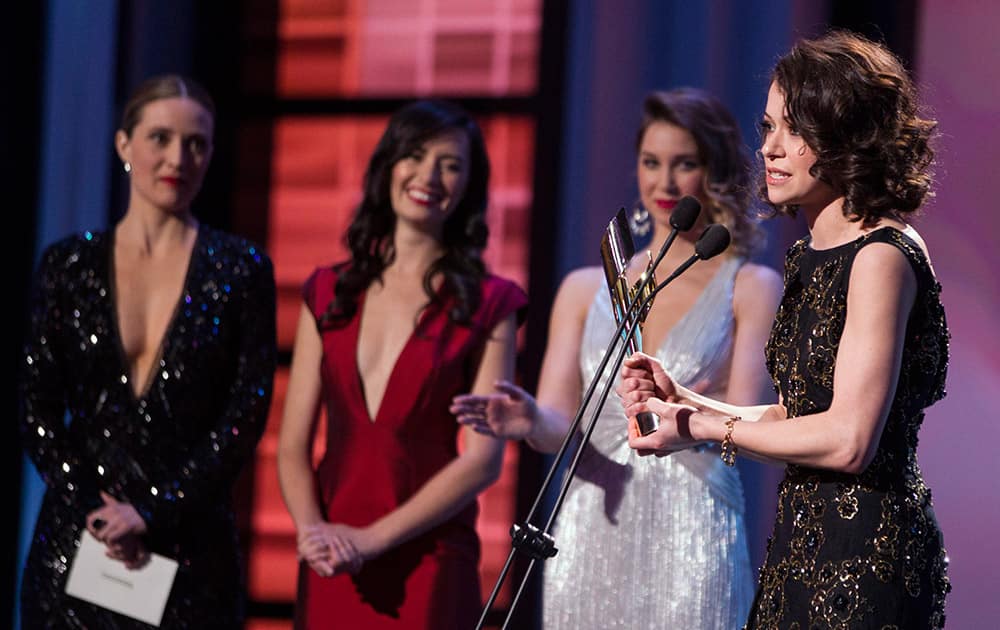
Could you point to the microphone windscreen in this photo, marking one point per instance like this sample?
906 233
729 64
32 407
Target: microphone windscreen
712 242
685 214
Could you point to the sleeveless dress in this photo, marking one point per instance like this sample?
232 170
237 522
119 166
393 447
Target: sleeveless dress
653 542
372 466
854 551
174 451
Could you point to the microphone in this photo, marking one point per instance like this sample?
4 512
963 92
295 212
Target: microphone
682 219
712 242
685 213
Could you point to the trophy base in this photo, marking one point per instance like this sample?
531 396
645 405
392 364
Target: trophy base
648 422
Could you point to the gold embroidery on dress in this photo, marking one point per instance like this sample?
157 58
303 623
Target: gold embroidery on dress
883 514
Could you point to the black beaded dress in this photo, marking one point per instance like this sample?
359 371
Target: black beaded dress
174 451
854 551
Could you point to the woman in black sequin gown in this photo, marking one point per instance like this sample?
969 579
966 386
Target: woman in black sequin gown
157 339
859 348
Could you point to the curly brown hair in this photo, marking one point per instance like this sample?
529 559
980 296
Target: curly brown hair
855 106
721 149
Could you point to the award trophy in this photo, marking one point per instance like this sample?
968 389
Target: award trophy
617 250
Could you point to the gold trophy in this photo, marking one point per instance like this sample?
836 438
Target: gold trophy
617 249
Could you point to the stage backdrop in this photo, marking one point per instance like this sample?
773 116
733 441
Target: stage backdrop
956 65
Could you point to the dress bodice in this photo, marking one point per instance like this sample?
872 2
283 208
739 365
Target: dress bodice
697 348
653 542
854 550
802 350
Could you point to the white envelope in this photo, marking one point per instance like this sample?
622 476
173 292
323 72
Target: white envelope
138 593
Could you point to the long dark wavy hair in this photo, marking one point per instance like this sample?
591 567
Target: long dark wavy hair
369 237
855 106
720 149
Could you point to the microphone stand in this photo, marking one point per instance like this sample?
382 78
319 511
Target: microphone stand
526 537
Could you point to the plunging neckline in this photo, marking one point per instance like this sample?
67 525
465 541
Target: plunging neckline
422 320
126 366
683 319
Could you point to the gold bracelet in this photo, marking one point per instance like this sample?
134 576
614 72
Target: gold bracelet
728 446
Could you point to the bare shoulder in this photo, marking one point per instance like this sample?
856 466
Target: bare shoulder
757 284
911 232
752 276
578 288
882 280
880 262
582 282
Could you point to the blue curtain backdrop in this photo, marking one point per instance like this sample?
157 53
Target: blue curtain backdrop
76 157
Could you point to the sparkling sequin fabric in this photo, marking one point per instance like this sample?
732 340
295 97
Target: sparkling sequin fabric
653 542
854 551
173 452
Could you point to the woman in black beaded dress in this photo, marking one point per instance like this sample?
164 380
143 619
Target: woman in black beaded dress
859 348
156 339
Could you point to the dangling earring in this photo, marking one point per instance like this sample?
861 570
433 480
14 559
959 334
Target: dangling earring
127 166
638 220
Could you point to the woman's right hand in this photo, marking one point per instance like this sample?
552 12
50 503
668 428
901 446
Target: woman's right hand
326 551
643 377
673 434
511 413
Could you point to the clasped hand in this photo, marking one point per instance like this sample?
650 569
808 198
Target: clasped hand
118 525
332 548
646 387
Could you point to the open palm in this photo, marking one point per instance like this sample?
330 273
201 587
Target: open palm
509 413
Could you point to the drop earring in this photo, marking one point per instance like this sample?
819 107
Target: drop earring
127 166
639 221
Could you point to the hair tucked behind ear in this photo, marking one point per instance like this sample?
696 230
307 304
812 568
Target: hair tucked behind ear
856 108
369 237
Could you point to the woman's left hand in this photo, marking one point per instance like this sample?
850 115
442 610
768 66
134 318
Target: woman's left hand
130 550
114 520
673 434
354 545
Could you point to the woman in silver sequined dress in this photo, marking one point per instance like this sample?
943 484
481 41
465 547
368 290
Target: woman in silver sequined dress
661 543
156 338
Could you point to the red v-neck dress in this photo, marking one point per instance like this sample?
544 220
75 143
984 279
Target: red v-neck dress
371 467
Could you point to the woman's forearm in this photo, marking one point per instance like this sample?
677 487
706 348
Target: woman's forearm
549 430
441 497
298 489
745 413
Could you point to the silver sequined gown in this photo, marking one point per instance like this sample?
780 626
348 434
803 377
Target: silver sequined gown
654 542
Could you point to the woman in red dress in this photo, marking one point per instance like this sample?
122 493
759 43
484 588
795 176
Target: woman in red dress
386 521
